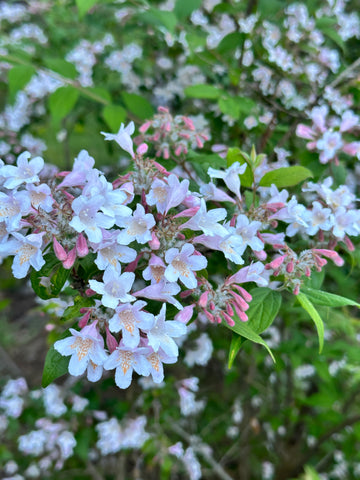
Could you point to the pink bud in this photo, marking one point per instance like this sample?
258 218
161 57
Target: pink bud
209 316
185 314
261 255
290 267
240 301
334 256
161 168
131 267
154 243
89 292
70 260
199 143
178 150
275 263
59 250
203 299
166 153
163 109
296 290
142 149
145 127
244 293
349 244
229 310
228 319
111 341
189 123
304 131
243 317
307 272
84 320
81 246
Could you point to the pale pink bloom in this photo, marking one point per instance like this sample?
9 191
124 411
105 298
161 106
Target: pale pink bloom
87 351
24 172
161 291
207 221
182 264
125 360
114 288
162 333
155 269
83 163
123 138
40 197
129 319
230 176
137 227
27 252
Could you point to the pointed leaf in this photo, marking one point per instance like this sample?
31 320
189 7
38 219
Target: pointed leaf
55 365
310 309
285 177
328 299
203 91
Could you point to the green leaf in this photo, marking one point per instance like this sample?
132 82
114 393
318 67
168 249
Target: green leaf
114 115
138 105
183 8
310 309
211 159
84 6
241 328
159 18
335 37
285 177
62 101
235 155
235 106
328 299
101 93
74 310
41 281
55 365
203 91
18 77
61 66
264 307
310 474
230 42
236 343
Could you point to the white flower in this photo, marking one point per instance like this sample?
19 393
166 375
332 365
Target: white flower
182 264
160 336
123 138
25 172
27 251
207 221
125 360
114 287
129 319
137 227
230 176
88 219
87 351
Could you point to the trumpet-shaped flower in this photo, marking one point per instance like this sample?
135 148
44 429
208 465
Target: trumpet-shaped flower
40 197
88 219
110 253
137 227
156 360
83 163
182 264
13 207
129 319
24 172
125 360
230 176
27 251
163 332
87 351
207 221
161 291
167 195
123 138
114 288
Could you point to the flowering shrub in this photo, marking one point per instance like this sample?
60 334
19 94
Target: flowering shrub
221 219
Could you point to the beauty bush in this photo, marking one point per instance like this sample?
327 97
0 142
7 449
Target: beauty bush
131 248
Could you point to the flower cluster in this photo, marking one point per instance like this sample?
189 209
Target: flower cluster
149 237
